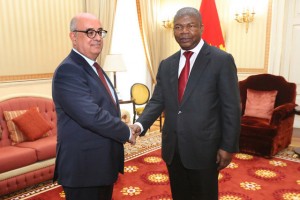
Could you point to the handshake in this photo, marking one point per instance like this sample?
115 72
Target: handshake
135 131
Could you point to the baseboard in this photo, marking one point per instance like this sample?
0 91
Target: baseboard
295 142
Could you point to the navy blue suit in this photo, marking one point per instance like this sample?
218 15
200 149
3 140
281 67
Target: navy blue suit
91 134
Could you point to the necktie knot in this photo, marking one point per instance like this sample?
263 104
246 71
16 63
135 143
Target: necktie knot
188 54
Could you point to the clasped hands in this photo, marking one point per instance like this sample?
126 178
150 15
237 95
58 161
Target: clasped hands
136 131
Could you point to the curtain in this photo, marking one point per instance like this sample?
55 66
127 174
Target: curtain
147 16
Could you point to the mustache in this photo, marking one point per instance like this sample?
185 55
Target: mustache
96 43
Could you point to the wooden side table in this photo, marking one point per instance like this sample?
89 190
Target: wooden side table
126 102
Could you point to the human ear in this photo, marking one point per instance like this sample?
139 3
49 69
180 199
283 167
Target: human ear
72 36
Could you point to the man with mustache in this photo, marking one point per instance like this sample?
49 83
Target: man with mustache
90 152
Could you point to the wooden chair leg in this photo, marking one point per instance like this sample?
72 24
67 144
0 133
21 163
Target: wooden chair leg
134 115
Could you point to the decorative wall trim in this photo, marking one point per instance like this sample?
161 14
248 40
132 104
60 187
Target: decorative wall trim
25 77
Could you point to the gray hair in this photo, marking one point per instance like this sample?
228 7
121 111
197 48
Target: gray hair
73 24
188 11
75 19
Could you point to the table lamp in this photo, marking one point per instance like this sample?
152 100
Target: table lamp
114 63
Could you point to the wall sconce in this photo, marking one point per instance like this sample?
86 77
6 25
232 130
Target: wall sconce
245 17
168 24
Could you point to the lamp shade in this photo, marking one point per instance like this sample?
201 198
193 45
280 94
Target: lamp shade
114 63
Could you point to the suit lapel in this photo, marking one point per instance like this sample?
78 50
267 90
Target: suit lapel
174 73
200 64
82 62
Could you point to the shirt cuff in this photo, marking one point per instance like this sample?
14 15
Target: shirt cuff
140 125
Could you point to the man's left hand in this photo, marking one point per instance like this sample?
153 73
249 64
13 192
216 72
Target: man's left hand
223 159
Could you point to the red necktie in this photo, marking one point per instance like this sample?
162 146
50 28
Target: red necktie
101 76
184 75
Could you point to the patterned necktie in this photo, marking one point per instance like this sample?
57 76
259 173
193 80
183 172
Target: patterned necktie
184 75
102 78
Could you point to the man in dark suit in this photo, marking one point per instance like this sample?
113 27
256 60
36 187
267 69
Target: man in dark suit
201 128
90 151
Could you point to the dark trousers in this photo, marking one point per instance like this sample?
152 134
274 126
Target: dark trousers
90 193
192 184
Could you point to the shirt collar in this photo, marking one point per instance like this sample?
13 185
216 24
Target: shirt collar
91 62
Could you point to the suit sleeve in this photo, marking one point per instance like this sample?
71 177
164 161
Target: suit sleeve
73 93
230 103
154 107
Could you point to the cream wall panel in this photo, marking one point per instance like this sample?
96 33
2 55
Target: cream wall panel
248 48
35 34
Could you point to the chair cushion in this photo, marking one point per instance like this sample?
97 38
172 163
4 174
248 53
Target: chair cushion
139 110
13 157
255 122
32 124
253 127
260 103
45 147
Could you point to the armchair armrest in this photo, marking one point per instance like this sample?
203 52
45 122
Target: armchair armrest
281 112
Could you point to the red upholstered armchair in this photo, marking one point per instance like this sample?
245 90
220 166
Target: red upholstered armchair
261 135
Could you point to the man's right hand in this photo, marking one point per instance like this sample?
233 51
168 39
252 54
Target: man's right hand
136 129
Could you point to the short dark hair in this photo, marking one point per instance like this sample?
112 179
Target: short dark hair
188 11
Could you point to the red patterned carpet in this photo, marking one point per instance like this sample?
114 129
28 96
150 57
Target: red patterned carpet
146 178
246 178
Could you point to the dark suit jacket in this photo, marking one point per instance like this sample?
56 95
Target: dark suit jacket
208 117
91 134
